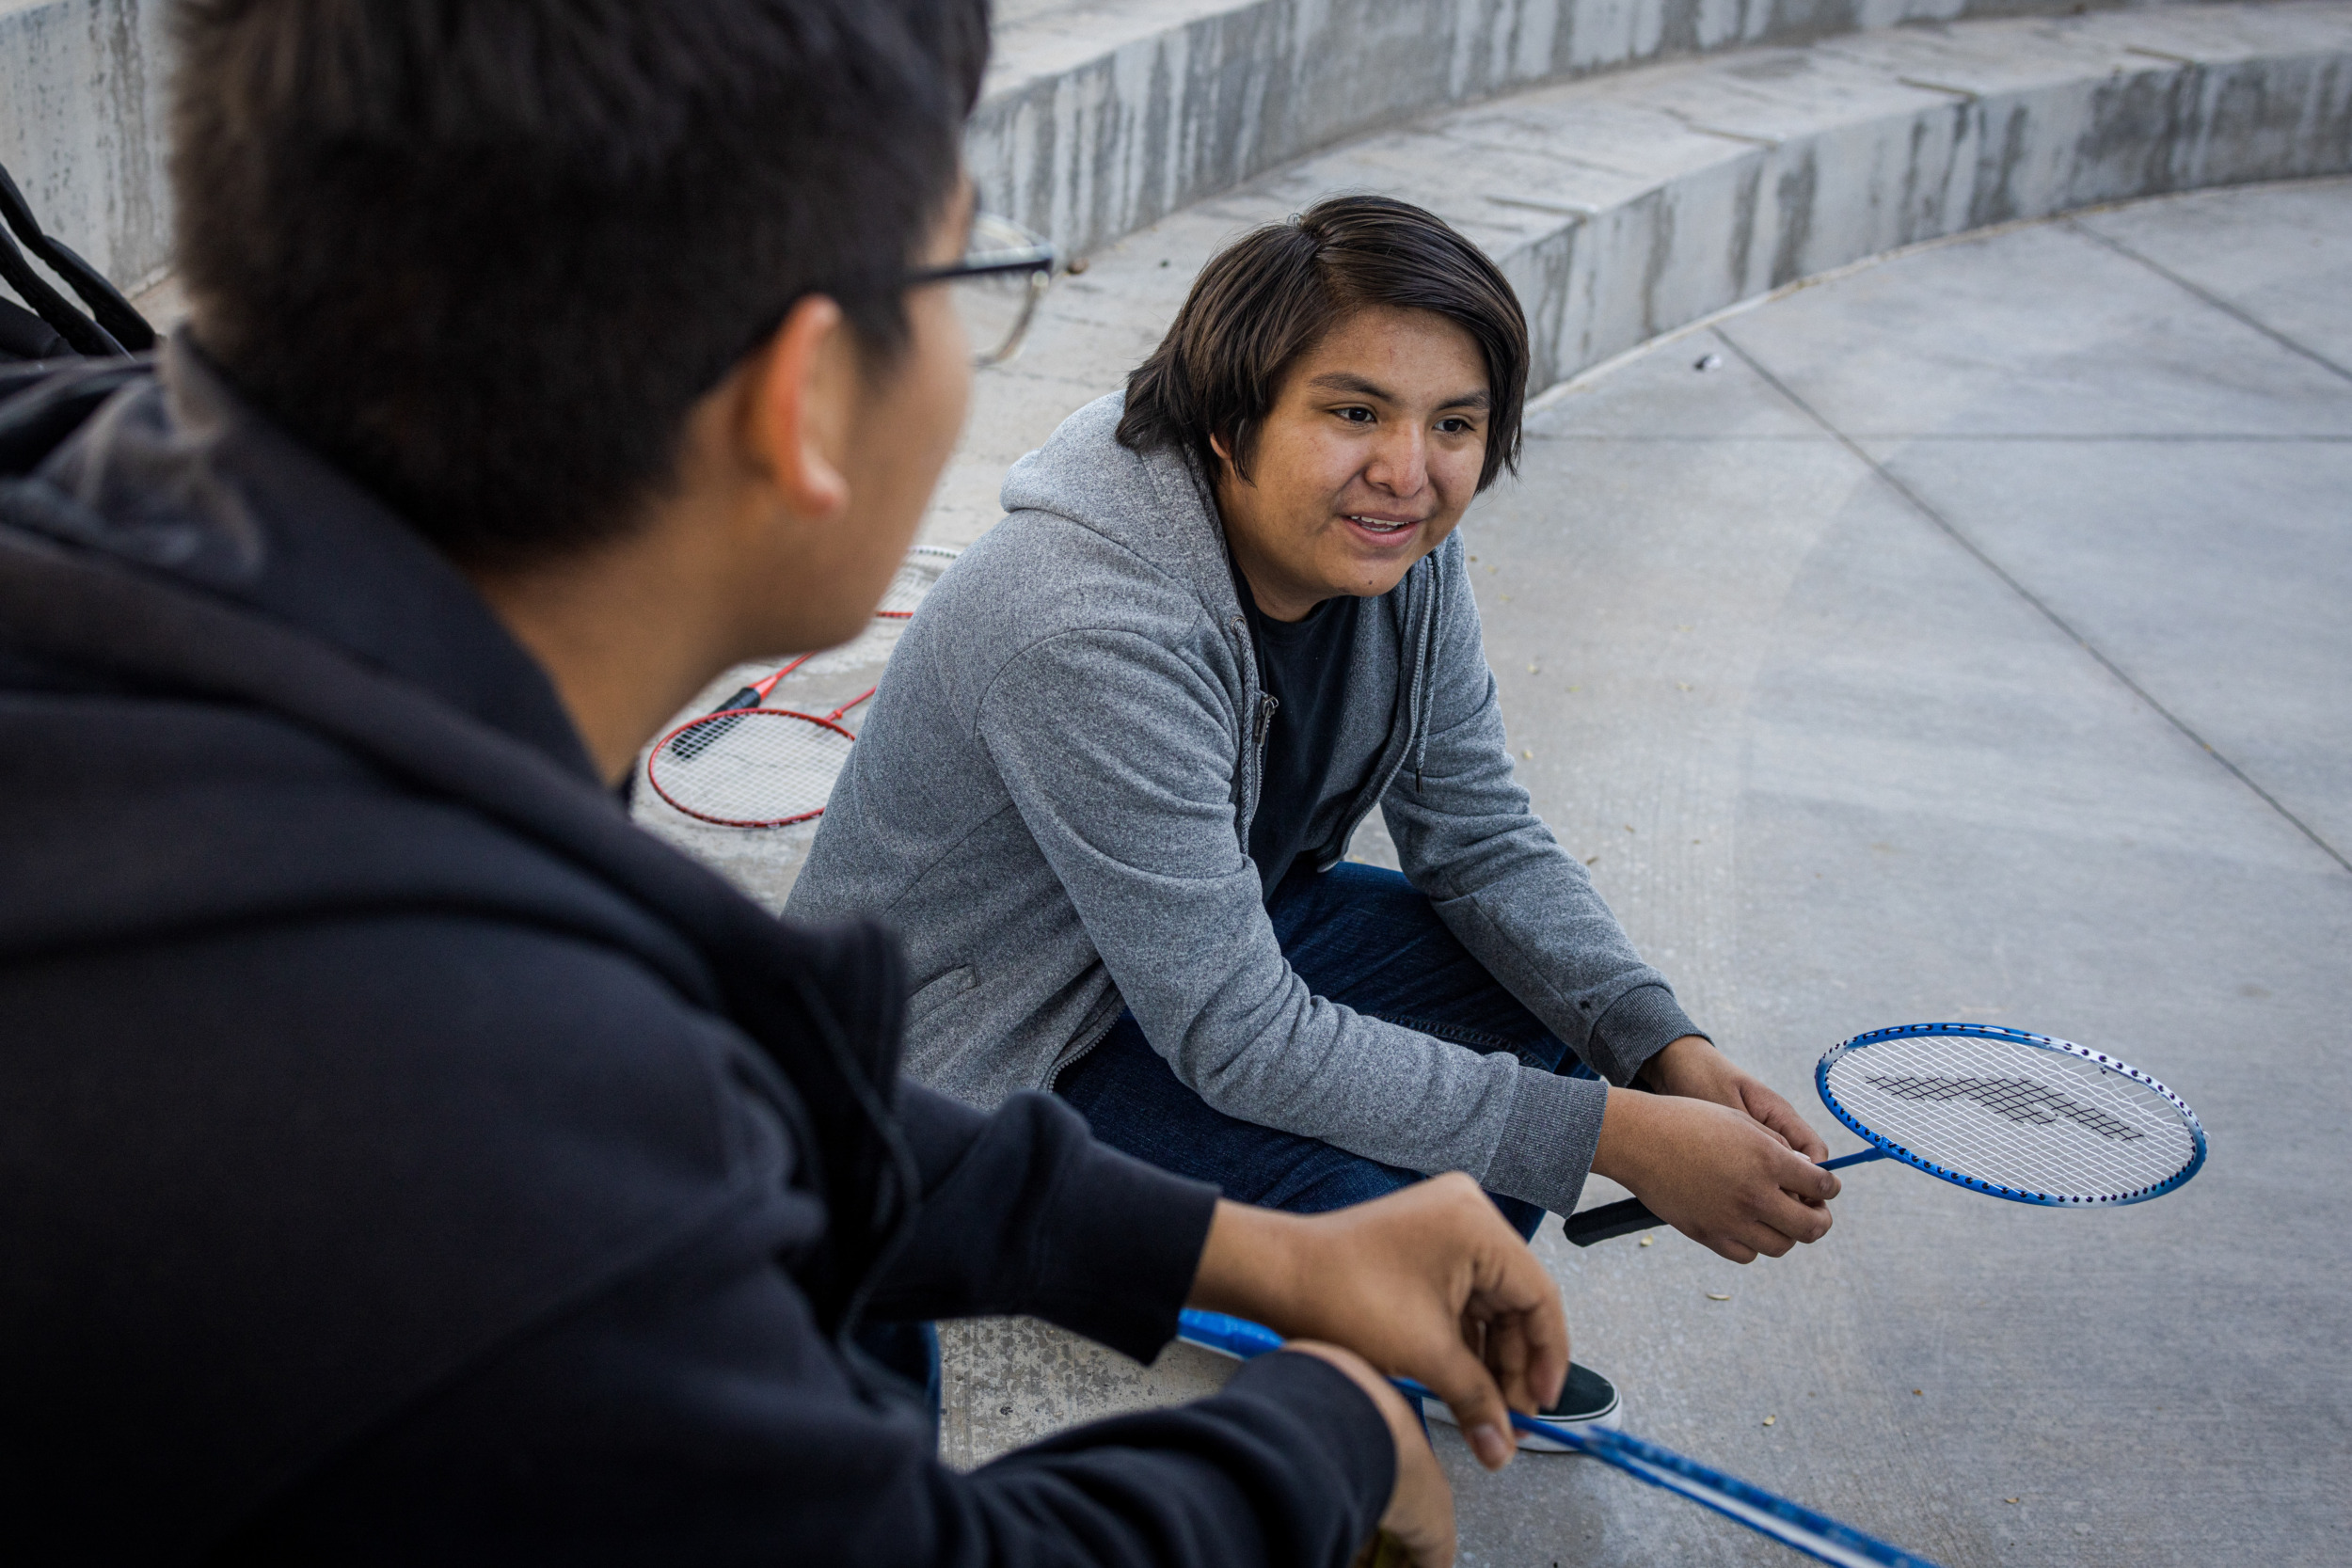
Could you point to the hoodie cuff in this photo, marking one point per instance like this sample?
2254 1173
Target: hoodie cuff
1119 1248
1546 1145
1338 1436
1643 1021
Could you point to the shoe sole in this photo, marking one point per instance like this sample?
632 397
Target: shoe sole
1434 1410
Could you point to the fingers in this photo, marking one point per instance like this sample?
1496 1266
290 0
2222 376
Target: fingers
1529 1367
1459 1375
1771 1224
1762 1204
1512 1315
1773 1111
1803 1177
1478 1407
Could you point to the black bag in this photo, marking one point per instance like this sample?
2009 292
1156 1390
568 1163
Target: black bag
54 327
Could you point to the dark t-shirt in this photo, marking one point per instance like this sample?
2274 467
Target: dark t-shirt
1303 666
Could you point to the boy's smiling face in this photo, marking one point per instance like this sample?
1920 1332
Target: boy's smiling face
1365 463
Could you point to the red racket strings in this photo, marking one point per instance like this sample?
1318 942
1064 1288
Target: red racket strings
753 768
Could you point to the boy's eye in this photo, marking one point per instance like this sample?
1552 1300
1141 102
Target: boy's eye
1355 415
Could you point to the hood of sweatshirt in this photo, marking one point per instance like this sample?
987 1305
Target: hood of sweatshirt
243 708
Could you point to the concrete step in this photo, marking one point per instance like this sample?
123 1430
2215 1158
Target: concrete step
1102 115
1098 115
1629 204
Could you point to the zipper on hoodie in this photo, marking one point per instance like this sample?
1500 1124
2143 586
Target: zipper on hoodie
1267 703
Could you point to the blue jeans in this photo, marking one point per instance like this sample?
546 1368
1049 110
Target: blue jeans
1357 935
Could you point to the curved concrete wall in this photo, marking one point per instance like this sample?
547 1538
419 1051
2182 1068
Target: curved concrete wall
1101 118
1740 171
1875 142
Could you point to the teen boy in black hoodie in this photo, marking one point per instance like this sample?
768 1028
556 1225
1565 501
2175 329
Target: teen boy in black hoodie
401 1157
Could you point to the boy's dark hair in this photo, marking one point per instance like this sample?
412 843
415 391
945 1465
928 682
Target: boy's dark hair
485 255
1274 294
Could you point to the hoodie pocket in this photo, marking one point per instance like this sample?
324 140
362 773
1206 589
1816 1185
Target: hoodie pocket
937 992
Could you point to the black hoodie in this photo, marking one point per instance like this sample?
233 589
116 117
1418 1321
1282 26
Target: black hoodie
403 1157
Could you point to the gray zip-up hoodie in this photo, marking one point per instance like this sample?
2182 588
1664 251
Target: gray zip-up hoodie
1052 799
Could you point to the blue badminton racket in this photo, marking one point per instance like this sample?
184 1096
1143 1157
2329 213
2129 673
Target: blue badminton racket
1816 1535
2022 1117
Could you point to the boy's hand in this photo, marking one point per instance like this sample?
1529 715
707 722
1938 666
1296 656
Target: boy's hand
1692 1068
1717 1155
1428 1283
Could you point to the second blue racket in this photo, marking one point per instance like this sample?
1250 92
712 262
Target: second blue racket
1792 1523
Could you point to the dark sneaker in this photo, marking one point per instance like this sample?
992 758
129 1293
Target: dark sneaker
1586 1399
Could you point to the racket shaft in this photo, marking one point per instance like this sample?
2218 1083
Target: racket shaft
1816 1535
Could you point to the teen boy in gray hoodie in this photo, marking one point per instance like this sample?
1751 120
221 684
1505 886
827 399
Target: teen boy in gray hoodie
1109 781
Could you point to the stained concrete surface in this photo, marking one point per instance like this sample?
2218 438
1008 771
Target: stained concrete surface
1871 777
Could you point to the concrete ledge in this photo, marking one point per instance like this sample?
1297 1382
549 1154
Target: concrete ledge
1006 1381
1099 117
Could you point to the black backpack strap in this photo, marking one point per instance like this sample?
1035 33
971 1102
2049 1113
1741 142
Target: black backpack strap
115 330
26 336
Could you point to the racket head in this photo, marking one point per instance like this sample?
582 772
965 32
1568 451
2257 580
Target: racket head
914 579
2019 1115
752 767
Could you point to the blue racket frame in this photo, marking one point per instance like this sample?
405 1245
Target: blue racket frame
1887 1149
1792 1524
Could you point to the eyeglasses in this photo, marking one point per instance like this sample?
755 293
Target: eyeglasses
1004 273
996 288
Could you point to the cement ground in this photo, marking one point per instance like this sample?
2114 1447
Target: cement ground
1971 639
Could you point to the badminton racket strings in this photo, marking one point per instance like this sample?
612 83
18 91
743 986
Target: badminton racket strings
754 767
2015 1116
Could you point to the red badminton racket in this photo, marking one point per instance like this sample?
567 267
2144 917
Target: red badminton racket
753 695
753 766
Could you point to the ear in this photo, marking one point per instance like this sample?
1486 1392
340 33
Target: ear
1223 447
800 405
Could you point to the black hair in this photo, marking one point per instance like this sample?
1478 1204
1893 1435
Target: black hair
1273 294
485 255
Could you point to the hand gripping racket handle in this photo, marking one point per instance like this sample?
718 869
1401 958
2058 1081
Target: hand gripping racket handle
1611 1220
1792 1524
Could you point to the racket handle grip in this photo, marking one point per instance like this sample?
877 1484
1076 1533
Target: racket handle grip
748 697
1609 1220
